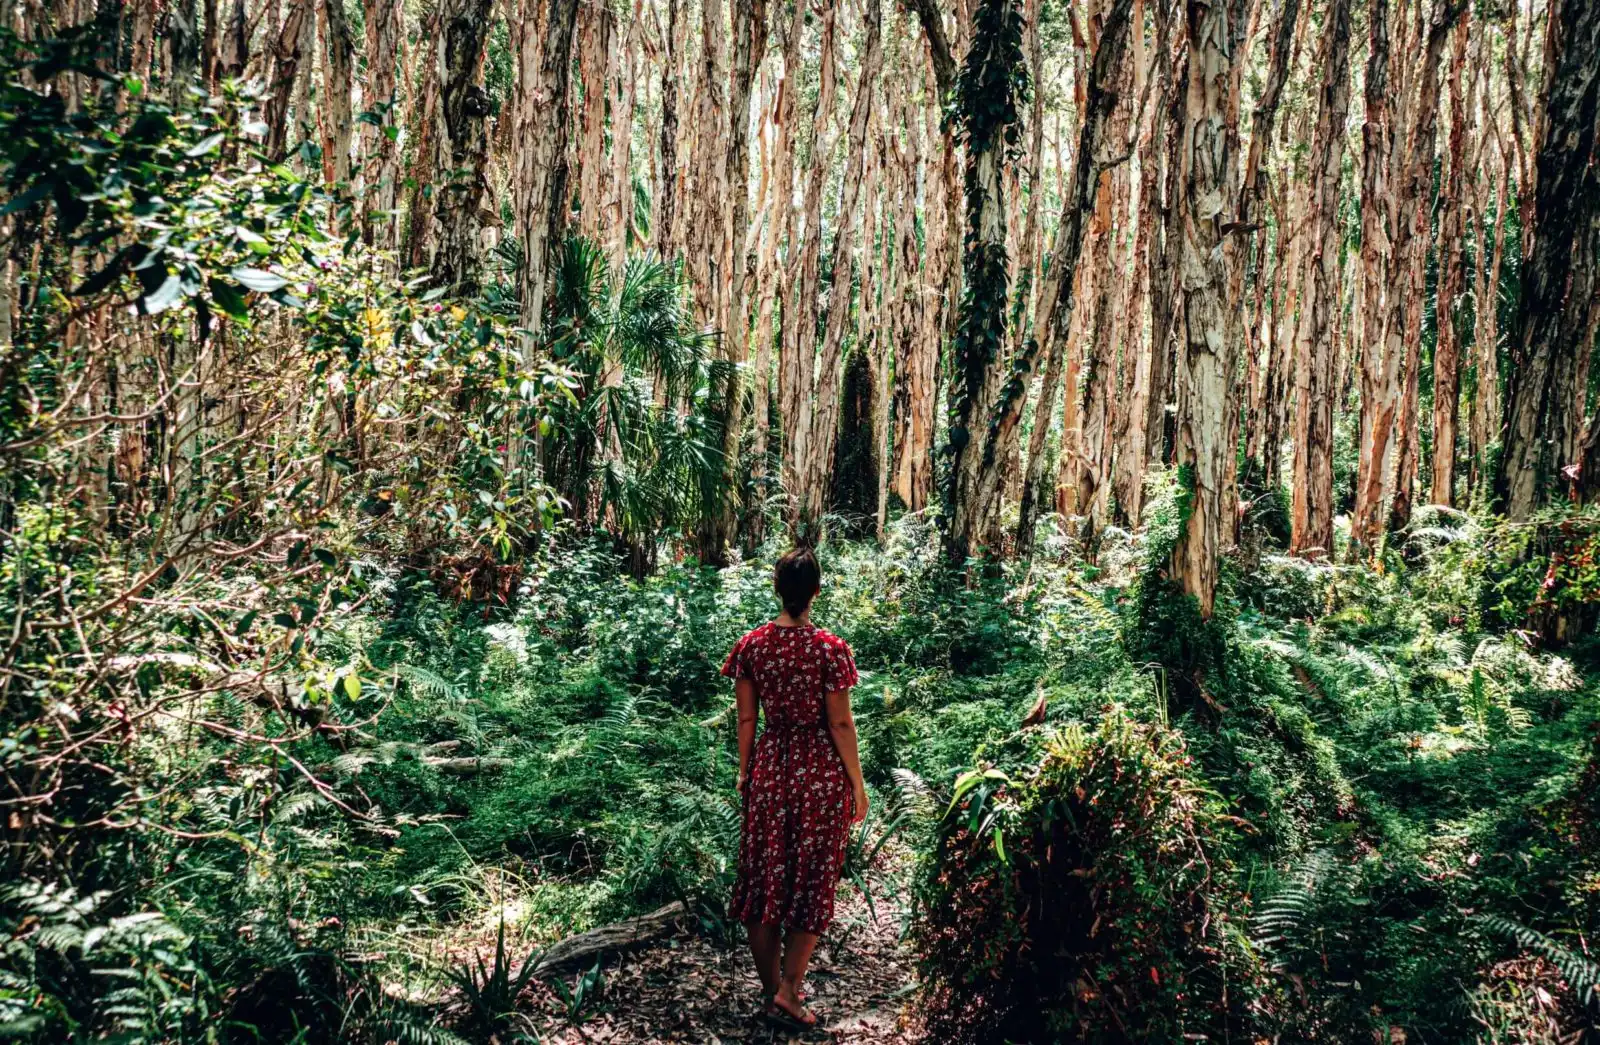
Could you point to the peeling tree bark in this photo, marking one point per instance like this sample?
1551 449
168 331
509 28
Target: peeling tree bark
1206 357
816 466
1542 393
797 363
460 144
539 165
1315 388
338 59
1057 301
1452 280
381 150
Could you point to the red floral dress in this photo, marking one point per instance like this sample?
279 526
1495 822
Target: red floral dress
798 800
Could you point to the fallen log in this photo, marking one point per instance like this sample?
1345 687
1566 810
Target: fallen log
608 939
465 765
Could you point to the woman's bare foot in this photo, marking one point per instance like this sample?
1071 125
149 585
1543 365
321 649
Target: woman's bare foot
789 1004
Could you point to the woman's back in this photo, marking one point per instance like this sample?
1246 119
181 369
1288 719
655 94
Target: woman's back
794 668
798 800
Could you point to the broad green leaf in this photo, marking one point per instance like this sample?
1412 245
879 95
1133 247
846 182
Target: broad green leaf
259 280
207 144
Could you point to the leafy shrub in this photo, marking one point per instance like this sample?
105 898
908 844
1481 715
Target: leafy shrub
1086 901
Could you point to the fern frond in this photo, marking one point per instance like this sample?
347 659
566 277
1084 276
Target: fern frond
428 683
1282 917
1581 974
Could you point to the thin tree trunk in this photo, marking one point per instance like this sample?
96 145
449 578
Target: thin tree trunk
1380 364
381 151
1452 280
1486 408
280 87
797 363
816 466
1057 300
539 166
749 47
666 191
1315 389
596 66
619 205
338 59
1410 261
1206 357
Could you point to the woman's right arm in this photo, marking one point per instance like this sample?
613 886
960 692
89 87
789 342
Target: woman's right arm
842 726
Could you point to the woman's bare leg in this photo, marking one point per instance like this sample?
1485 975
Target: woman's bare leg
797 948
765 945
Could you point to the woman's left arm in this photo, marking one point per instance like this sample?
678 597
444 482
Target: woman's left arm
842 727
744 699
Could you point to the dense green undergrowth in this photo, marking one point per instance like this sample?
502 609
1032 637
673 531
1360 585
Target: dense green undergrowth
1337 809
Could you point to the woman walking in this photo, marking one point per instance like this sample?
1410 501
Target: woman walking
801 782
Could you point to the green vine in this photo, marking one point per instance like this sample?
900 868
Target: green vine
989 93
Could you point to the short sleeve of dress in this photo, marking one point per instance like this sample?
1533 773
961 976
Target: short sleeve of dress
737 666
838 667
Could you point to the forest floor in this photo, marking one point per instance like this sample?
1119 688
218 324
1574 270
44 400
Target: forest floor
690 989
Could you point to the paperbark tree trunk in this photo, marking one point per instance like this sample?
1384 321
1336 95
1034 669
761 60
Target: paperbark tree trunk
597 67
460 144
816 466
1057 301
917 344
1542 394
381 150
1315 389
666 192
338 59
1380 364
280 87
732 310
779 229
1206 358
619 197
1409 262
1452 280
797 363
539 164
1487 412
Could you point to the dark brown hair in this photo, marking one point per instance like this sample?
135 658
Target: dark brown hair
797 578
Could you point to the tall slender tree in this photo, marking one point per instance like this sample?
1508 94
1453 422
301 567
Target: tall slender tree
1206 354
1315 389
993 80
1543 404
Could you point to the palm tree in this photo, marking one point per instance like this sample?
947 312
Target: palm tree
640 453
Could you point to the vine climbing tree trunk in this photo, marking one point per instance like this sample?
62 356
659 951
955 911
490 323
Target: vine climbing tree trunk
993 77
